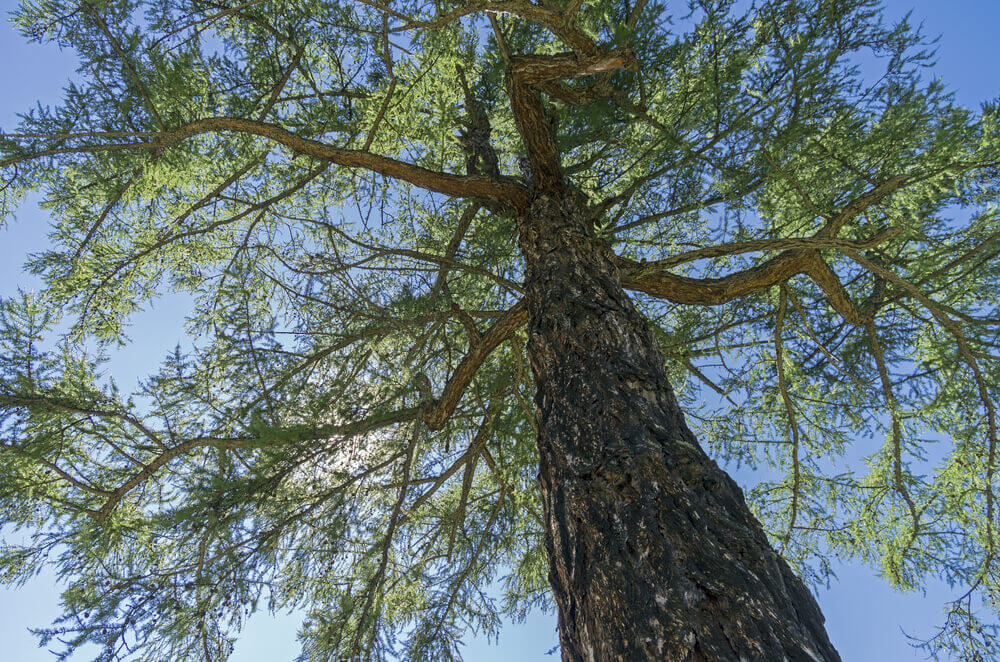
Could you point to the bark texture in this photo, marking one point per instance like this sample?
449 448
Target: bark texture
653 552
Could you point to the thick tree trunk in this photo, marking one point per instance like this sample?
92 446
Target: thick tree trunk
653 553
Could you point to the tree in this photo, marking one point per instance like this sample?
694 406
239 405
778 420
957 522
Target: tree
403 222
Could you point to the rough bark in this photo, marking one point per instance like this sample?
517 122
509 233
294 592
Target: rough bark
653 552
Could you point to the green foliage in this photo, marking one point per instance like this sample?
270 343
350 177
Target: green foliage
284 462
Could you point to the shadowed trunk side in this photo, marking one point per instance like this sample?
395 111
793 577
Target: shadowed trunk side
653 553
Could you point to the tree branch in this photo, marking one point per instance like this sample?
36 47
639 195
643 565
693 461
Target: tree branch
442 408
129 69
559 24
505 191
524 73
803 258
717 291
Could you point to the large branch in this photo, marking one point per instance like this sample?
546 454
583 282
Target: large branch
507 192
653 279
442 408
717 291
524 74
801 257
713 291
560 24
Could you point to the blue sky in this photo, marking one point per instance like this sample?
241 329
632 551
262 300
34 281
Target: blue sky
865 617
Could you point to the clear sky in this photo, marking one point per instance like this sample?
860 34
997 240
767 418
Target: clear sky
865 618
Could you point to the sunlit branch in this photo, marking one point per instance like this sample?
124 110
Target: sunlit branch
273 97
43 401
442 408
393 81
462 186
108 208
205 21
126 64
652 279
54 467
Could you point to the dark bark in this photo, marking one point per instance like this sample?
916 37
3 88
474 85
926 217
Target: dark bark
653 552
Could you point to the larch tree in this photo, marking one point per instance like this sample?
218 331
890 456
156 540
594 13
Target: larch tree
475 285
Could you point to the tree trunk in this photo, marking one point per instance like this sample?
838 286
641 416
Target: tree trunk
653 553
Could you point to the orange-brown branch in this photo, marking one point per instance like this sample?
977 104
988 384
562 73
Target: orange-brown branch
442 408
507 192
717 291
524 75
801 257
